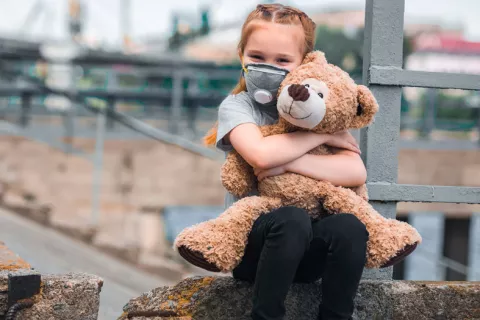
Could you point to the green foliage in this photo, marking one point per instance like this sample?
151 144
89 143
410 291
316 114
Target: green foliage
448 107
177 40
339 49
346 51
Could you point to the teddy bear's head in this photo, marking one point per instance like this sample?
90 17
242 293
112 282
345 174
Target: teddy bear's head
321 97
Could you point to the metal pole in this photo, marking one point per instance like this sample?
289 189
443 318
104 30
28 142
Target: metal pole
69 116
478 126
474 248
111 83
98 168
192 107
177 102
110 111
25 110
430 112
383 47
69 128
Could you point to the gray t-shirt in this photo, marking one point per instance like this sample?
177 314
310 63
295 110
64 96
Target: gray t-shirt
234 111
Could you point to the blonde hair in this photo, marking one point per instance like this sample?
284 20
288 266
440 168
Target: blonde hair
276 13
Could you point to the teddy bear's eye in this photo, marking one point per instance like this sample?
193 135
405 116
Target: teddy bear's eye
307 85
320 95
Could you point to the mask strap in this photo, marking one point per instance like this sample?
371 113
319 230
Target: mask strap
243 66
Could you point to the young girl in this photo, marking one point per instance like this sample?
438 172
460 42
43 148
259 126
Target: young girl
285 246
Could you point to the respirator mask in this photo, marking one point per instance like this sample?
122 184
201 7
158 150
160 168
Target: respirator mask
262 81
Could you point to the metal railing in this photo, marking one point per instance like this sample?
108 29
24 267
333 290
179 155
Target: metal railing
34 87
383 73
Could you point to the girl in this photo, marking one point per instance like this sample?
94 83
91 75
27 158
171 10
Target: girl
285 246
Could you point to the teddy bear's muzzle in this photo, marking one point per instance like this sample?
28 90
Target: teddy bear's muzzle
301 106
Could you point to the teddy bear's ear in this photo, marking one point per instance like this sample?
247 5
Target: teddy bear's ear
315 56
367 106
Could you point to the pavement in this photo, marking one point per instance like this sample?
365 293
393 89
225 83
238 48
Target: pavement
51 252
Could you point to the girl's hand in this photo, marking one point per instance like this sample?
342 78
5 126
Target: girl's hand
265 173
343 140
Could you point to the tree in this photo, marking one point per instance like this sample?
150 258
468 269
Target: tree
346 51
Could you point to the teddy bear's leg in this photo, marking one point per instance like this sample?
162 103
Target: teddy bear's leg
390 240
219 244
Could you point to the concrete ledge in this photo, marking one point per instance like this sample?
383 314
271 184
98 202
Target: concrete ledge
63 297
223 298
11 261
72 296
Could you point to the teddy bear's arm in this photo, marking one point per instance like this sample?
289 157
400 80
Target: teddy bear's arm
273 129
237 175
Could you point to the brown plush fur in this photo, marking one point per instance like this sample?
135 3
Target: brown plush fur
220 242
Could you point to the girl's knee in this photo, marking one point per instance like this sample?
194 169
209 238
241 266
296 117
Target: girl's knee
292 219
344 228
354 224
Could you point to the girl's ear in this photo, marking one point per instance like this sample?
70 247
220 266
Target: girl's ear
316 56
367 107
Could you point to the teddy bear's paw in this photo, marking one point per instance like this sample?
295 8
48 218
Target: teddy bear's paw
207 246
390 242
197 259
402 254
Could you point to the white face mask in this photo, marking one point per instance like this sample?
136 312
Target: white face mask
262 81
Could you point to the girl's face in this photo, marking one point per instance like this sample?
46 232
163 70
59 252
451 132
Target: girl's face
274 43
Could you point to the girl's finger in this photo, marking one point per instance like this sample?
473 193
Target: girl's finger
356 149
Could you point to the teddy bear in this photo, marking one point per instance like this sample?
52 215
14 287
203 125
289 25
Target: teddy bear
323 98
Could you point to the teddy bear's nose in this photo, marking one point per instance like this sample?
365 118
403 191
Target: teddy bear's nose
298 92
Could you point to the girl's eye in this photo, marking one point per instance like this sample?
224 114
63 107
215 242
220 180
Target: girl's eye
283 61
320 95
257 57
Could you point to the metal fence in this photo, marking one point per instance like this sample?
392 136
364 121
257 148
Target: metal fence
383 73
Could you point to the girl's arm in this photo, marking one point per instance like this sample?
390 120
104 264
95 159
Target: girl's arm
273 151
343 168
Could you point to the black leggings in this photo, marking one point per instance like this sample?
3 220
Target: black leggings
284 246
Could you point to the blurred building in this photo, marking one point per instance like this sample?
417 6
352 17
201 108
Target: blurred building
439 52
220 44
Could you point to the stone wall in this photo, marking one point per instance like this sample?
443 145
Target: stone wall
137 173
158 175
439 167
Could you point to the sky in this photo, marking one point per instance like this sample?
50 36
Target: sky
153 17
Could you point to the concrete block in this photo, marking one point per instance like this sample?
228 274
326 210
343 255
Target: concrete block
223 298
72 296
